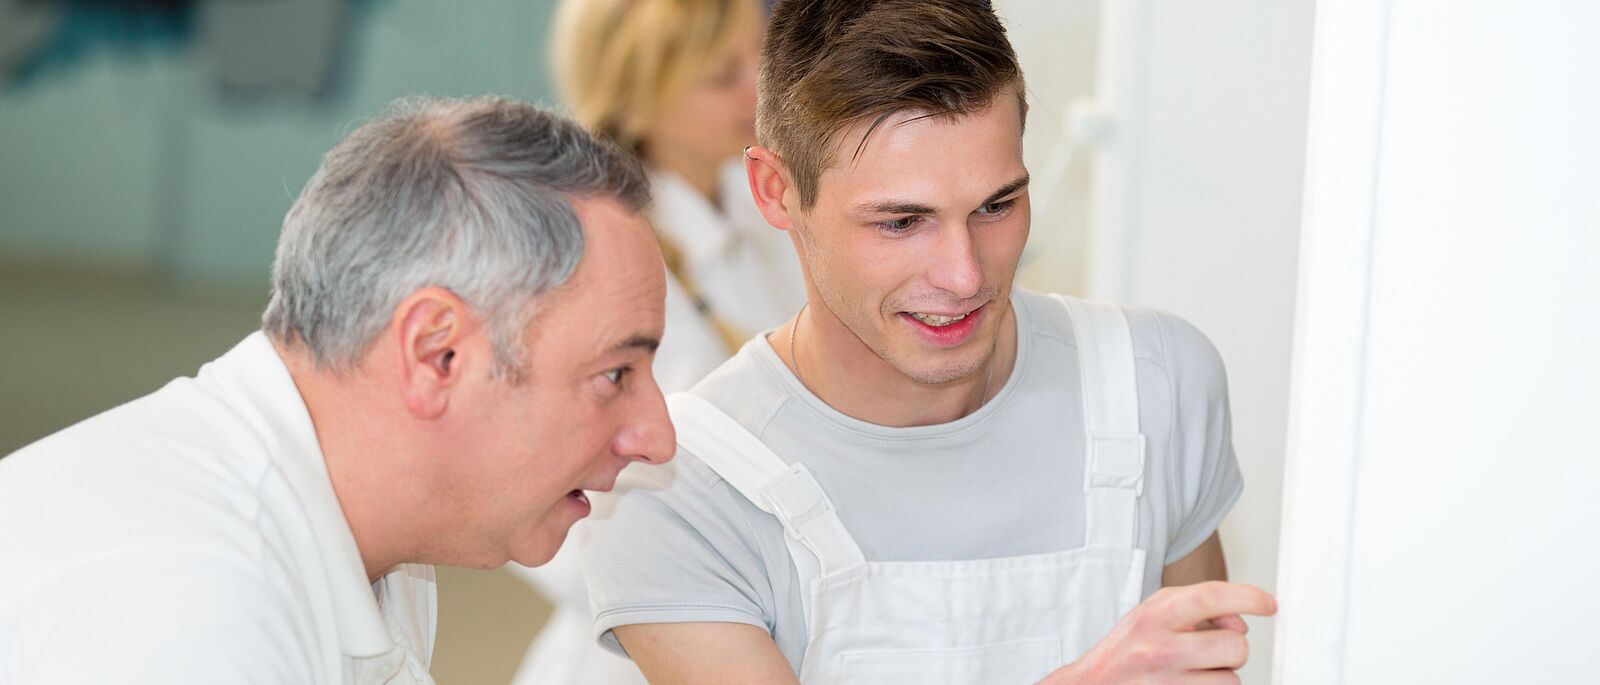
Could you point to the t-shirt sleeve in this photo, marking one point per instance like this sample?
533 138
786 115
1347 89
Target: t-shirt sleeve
153 616
672 544
1205 470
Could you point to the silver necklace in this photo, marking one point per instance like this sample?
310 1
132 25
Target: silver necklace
795 365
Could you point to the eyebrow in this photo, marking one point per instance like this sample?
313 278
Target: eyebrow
907 207
637 341
1007 189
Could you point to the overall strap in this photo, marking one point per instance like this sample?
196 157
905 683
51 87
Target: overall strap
788 492
1114 455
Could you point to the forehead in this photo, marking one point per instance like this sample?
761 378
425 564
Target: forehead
937 159
619 287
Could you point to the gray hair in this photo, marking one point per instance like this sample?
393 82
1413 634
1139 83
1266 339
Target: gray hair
471 195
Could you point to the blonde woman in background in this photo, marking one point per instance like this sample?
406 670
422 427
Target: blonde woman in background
675 82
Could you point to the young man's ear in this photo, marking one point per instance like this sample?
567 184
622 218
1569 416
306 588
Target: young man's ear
432 324
771 186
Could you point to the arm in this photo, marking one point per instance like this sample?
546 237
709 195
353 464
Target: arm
672 653
1205 563
702 609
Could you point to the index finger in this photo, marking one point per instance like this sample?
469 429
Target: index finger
1192 604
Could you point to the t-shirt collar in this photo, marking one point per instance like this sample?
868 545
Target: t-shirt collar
768 358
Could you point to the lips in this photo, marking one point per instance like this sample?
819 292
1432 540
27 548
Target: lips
581 495
944 329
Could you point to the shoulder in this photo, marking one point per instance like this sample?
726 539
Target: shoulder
187 416
683 494
1160 338
1178 346
686 495
751 387
158 470
677 543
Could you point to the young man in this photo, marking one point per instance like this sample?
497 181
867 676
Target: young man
926 476
465 302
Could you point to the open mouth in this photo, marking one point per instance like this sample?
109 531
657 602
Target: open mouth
945 329
578 496
937 320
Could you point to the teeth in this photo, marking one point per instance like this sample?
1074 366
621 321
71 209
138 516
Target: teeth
935 319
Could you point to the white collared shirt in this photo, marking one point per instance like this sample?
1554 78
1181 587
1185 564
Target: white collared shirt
193 535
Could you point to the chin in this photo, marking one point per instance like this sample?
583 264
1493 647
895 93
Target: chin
939 374
534 560
941 367
539 550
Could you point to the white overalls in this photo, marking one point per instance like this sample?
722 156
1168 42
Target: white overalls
1007 620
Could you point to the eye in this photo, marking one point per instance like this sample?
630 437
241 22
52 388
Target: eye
616 375
900 225
996 209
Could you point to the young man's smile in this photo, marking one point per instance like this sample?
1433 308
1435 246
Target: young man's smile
945 330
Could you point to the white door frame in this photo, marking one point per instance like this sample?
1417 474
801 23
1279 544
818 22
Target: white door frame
1325 411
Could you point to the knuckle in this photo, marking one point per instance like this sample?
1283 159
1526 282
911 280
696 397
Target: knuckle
1147 658
1189 604
1237 650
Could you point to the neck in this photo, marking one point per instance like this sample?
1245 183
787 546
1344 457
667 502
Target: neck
700 173
363 464
849 376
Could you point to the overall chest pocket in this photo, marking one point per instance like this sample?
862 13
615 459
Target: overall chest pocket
1008 663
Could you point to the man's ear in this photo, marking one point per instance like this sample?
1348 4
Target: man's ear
771 186
431 325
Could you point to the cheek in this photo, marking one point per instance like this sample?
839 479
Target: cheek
869 276
1001 245
586 432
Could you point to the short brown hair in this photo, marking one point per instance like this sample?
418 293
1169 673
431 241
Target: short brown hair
829 64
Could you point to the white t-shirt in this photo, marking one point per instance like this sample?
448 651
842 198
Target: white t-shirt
677 544
193 536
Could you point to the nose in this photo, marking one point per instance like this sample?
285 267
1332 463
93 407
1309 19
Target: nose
956 269
648 435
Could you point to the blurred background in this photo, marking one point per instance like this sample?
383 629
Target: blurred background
149 149
148 153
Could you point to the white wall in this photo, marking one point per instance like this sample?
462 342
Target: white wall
1442 518
1196 210
1056 43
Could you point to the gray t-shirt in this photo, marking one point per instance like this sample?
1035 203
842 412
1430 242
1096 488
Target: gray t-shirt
676 543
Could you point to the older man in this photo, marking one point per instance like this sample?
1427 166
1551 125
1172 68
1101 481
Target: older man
465 303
